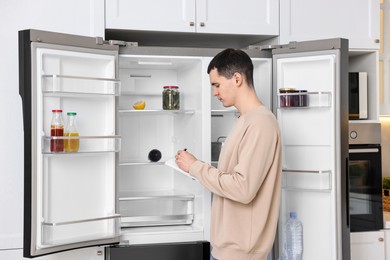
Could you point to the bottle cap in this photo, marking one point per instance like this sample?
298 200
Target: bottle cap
57 110
170 87
71 113
293 214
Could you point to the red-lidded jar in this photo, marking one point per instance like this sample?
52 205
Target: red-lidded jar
171 98
57 129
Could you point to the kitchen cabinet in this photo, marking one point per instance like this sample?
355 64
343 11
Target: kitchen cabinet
357 21
260 17
368 245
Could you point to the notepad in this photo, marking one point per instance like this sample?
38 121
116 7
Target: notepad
172 163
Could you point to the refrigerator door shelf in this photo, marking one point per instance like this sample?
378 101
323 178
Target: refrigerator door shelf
57 233
313 99
87 144
300 180
65 84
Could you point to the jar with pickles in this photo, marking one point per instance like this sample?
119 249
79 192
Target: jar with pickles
171 98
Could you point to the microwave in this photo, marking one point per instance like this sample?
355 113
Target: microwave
358 98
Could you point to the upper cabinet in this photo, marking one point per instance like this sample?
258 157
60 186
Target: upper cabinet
357 21
260 17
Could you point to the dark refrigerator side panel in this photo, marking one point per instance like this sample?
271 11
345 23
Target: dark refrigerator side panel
344 136
199 250
25 93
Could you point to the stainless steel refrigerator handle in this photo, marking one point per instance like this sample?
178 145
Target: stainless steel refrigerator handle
80 221
368 150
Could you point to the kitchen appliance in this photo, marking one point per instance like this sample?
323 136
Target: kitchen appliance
358 95
109 192
365 177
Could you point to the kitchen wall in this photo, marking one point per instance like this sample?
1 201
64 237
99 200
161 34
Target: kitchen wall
385 125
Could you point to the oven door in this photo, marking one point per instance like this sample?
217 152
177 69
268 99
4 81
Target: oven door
365 188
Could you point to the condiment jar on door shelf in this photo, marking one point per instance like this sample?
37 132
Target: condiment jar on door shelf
57 129
71 143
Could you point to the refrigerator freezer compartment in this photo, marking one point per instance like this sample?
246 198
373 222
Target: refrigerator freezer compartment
64 84
320 180
87 144
59 233
156 208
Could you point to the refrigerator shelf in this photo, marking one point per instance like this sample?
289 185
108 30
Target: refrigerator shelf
87 144
307 180
319 99
138 163
64 84
80 221
154 112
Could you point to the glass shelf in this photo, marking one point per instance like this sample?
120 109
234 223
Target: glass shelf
320 99
154 112
138 163
307 180
87 144
71 85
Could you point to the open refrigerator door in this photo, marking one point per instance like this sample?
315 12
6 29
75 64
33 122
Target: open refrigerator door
310 92
69 195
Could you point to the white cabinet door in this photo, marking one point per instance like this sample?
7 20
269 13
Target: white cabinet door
368 245
357 21
151 15
259 17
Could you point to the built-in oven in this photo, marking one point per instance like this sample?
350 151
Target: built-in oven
365 177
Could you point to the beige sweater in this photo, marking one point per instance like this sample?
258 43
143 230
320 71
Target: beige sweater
246 187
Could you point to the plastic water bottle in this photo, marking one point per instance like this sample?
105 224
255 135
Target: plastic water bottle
294 238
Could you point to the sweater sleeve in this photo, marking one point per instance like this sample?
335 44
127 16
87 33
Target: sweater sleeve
255 153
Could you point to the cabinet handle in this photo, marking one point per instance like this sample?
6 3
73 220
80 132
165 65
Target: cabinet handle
202 24
381 239
192 23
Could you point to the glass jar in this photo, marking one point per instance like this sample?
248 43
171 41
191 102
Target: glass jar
171 98
288 100
71 143
57 129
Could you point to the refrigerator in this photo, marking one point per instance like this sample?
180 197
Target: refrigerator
110 194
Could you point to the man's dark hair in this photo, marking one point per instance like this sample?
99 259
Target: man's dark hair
231 61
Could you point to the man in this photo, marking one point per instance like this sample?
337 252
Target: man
247 182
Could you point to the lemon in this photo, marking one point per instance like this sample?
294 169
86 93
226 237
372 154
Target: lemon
139 105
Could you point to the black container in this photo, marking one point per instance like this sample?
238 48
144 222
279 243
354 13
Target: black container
154 155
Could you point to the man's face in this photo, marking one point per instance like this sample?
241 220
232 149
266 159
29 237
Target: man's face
223 88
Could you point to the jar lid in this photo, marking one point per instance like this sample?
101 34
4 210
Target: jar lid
173 87
71 113
57 110
287 90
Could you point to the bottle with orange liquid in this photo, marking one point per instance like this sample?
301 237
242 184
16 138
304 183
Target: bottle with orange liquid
57 129
71 144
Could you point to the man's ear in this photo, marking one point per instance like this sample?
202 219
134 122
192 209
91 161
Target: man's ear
237 78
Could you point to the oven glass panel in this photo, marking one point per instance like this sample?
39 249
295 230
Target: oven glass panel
365 189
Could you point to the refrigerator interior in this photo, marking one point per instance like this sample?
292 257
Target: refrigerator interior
74 192
309 153
223 119
158 204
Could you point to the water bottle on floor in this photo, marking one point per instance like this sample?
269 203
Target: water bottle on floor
294 238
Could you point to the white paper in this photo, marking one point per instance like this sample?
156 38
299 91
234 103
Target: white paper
172 163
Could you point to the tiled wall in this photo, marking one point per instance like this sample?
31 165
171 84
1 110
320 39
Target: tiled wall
385 125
